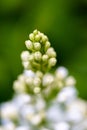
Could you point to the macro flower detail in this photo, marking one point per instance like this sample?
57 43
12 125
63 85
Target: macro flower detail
40 55
44 99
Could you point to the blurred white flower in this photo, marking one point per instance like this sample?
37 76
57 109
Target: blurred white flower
67 94
23 128
70 81
62 126
61 73
9 111
9 126
76 111
47 80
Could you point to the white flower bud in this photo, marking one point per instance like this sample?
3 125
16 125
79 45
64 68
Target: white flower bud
35 32
37 37
45 129
19 87
29 81
39 74
50 52
37 90
37 46
36 120
22 128
47 45
52 62
31 36
47 79
29 44
45 58
37 81
29 73
61 73
70 81
37 56
62 126
9 126
25 55
67 95
9 111
44 38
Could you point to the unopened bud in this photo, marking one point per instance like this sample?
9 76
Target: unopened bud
35 32
37 90
52 62
25 55
38 56
37 81
29 44
45 58
39 74
31 36
44 38
29 81
37 38
37 46
50 52
47 45
70 81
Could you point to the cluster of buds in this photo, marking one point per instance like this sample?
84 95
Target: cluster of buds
37 61
40 55
23 109
48 83
43 100
26 112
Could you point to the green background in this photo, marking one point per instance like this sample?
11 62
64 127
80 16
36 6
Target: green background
65 23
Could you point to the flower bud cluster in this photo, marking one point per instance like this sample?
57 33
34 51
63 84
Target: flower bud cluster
40 55
22 111
43 100
28 82
65 112
62 78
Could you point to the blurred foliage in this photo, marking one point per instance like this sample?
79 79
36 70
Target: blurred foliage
65 23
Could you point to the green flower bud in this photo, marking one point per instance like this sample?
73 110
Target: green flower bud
50 52
35 32
52 62
44 38
38 56
37 90
47 45
31 36
39 74
37 46
37 38
29 44
25 55
45 58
